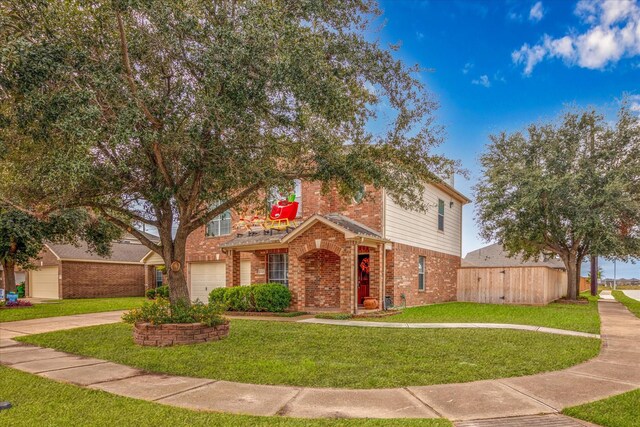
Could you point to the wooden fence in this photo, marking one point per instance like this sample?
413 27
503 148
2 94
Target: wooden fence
511 285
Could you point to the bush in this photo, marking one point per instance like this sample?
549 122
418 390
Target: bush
20 290
217 296
151 293
161 311
239 298
162 291
265 297
272 297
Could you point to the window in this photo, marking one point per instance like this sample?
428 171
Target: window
158 278
440 215
421 273
220 225
278 266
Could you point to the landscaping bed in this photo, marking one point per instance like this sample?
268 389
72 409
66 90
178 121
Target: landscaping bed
334 356
182 333
38 402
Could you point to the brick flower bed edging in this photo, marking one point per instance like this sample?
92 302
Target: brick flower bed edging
177 333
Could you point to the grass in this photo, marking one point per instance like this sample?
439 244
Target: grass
632 304
335 356
622 410
69 307
39 402
575 317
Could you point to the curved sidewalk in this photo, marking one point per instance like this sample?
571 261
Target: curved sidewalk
615 370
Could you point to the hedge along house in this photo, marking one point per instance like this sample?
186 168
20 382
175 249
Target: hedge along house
339 253
69 271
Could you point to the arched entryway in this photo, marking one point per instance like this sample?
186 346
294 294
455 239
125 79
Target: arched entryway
321 277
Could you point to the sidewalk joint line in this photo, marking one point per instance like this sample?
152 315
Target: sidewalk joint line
555 410
182 391
283 409
424 403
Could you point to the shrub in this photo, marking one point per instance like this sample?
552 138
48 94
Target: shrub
239 298
269 297
161 311
20 290
151 293
272 297
217 296
162 291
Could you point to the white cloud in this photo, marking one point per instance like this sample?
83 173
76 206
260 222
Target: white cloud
537 12
613 33
634 103
467 67
419 35
483 80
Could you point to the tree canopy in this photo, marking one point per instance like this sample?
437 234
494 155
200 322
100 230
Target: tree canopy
172 111
568 187
22 236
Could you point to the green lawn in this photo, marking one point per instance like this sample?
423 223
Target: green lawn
632 304
69 307
41 402
622 410
336 356
575 317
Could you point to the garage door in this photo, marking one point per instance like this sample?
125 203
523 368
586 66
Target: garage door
206 276
44 282
245 273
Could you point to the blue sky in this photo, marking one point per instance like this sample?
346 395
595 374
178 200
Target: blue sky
501 64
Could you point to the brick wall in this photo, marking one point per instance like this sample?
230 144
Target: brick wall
321 275
101 280
440 280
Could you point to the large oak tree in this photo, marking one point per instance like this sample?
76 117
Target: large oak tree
169 112
570 187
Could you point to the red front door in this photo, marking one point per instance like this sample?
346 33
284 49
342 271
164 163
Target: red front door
363 277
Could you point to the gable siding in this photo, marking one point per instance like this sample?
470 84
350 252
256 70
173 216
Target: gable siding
420 229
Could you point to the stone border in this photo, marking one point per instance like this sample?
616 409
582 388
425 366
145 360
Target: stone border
168 334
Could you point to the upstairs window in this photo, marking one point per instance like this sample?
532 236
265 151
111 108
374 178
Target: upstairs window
440 215
421 273
220 225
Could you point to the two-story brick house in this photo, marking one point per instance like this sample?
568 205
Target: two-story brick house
339 253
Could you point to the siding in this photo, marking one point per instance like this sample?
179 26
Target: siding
420 229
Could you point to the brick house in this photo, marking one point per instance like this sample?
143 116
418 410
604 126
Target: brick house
339 253
69 271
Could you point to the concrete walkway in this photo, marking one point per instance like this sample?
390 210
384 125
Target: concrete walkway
635 294
359 323
615 370
606 295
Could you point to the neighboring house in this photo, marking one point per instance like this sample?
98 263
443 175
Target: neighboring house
489 275
494 255
68 271
339 253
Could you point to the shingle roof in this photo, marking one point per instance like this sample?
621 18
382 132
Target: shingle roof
352 225
126 250
495 256
277 236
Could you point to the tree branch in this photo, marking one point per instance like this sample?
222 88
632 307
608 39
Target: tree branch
135 232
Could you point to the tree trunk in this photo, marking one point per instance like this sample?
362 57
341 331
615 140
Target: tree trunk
174 251
573 265
594 275
9 276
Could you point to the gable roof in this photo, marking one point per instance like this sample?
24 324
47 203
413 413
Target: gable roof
128 250
346 225
495 256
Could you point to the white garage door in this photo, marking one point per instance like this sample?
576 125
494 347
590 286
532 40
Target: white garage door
44 282
206 276
245 273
